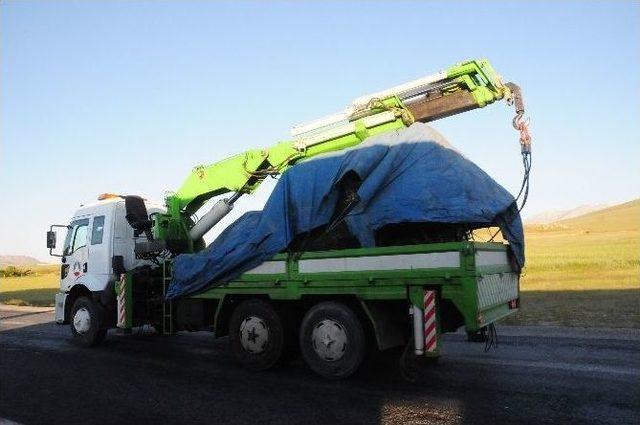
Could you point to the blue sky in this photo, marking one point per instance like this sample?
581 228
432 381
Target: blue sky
127 97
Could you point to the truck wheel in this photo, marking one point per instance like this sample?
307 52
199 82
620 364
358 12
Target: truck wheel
86 323
256 335
332 340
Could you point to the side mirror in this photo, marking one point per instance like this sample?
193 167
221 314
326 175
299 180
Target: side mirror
51 239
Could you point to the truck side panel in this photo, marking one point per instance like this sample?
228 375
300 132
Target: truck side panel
475 278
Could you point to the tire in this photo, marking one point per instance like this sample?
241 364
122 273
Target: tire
332 340
86 323
256 335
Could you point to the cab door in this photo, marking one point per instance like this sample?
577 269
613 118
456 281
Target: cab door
75 253
100 248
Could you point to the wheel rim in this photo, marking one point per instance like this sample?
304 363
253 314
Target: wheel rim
254 335
82 320
329 340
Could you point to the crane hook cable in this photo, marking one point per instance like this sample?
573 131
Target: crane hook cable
522 126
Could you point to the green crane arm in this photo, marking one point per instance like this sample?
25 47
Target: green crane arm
462 87
244 172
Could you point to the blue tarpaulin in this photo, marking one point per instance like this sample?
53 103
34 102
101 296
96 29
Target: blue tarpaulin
409 175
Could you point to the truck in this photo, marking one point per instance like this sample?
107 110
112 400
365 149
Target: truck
334 306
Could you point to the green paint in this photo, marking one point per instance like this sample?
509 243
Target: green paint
479 78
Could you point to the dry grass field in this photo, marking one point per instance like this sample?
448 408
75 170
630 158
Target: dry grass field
583 271
37 288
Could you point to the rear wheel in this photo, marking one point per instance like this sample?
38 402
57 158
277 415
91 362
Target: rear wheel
86 323
256 335
332 340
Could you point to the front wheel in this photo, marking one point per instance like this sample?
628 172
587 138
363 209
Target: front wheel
86 323
332 340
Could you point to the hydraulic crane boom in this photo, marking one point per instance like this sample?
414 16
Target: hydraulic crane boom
462 87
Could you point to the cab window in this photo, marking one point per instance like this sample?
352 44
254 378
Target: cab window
98 230
76 236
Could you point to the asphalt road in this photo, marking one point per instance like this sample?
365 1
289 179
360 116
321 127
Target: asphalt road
537 375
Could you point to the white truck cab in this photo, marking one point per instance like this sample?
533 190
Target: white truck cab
97 234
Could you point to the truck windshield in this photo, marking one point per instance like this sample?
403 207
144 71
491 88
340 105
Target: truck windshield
76 236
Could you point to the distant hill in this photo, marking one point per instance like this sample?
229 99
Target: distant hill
18 260
556 215
619 217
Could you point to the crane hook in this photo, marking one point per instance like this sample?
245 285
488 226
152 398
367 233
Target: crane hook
520 124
